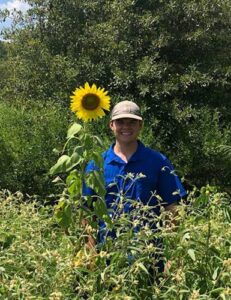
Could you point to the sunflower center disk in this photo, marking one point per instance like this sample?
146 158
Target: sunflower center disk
90 101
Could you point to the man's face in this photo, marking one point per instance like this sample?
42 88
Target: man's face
126 130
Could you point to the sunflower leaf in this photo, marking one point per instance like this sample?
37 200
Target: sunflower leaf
75 160
60 166
63 214
99 141
73 130
95 180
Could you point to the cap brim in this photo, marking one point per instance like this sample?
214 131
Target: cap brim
130 116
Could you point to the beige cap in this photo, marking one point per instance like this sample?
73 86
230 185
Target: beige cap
126 109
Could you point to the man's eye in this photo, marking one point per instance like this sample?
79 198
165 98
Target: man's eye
132 123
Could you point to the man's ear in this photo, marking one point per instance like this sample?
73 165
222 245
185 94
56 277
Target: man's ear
111 124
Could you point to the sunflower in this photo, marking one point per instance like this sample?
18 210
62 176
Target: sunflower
90 102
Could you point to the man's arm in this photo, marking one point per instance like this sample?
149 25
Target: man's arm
173 210
90 241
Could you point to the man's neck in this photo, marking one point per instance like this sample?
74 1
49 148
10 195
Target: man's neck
125 151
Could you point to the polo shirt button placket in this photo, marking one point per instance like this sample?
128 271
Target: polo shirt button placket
123 169
122 174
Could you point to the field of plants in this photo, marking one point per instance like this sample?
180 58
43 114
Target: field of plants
39 260
173 59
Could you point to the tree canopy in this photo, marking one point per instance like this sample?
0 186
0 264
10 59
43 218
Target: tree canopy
172 57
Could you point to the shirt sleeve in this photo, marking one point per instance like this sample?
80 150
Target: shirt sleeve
170 188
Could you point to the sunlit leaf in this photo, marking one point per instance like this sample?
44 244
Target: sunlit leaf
191 253
73 130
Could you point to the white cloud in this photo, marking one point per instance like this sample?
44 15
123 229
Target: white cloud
15 4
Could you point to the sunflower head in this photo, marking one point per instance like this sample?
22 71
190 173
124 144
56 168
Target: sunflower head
89 102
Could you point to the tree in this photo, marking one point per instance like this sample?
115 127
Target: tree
172 57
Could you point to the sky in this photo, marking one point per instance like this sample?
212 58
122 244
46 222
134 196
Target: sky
10 5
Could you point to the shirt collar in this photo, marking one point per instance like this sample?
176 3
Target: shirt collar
111 156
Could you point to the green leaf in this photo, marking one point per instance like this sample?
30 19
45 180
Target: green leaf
100 208
73 130
98 159
57 179
74 183
215 273
135 249
99 141
186 236
6 240
60 166
87 141
63 214
75 160
142 267
95 180
217 291
191 253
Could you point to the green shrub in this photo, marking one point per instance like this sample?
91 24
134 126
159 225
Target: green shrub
191 138
28 133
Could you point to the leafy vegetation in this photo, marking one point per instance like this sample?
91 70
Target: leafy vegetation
28 134
40 261
172 57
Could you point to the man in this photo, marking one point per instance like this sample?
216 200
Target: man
129 156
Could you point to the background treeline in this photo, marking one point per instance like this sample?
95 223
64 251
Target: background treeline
172 57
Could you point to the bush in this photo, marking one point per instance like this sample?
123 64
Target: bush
28 133
191 138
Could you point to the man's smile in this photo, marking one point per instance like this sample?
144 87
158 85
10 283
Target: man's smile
126 133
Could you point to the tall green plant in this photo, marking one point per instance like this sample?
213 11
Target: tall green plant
80 148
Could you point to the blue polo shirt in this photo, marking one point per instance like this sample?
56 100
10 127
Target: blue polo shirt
147 173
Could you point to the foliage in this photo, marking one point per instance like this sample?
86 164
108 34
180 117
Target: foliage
157 51
36 257
172 57
27 136
38 261
3 50
195 148
227 151
124 266
80 148
199 245
34 74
